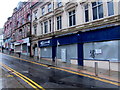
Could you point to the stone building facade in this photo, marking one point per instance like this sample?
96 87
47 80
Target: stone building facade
77 32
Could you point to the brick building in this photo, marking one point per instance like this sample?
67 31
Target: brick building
17 28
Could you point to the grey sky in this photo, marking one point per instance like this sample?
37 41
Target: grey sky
6 9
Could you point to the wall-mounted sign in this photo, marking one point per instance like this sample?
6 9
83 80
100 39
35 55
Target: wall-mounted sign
98 51
28 44
45 43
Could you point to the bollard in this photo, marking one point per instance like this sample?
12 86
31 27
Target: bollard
96 68
109 68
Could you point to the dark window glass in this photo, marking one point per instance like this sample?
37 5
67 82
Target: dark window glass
74 21
86 13
59 22
35 29
94 13
97 10
86 16
43 11
50 25
110 8
49 7
46 27
94 4
72 18
100 10
41 28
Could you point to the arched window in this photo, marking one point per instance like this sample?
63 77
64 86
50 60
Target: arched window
28 17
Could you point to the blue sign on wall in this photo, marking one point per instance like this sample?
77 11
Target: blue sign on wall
45 43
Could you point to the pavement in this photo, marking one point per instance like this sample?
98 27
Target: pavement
102 73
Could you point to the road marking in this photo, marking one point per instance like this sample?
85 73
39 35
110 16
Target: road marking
24 78
10 76
96 78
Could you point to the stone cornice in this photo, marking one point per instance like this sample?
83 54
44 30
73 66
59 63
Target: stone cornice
70 5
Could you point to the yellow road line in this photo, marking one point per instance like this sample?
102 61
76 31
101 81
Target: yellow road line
27 80
20 77
96 78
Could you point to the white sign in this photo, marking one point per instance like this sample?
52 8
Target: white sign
28 44
45 42
63 55
98 51
26 40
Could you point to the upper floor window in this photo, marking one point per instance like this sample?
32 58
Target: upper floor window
59 23
97 8
35 15
72 19
22 20
20 32
49 7
28 17
41 28
46 27
50 25
59 3
86 13
35 29
43 10
110 7
11 24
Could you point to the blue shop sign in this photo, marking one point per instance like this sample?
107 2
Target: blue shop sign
45 43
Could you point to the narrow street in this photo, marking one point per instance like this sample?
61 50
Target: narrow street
32 75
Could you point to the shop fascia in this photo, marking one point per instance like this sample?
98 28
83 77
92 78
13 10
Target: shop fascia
26 40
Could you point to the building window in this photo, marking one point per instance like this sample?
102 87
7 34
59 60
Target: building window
59 23
11 24
35 29
43 11
49 7
46 27
50 25
97 8
41 28
72 19
20 32
28 17
35 15
22 20
110 7
86 13
59 3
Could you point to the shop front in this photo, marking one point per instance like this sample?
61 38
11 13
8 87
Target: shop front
63 49
85 48
45 49
23 46
102 46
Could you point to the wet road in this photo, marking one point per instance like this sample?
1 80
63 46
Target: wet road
50 77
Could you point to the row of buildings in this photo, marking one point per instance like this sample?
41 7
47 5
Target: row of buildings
79 32
1 39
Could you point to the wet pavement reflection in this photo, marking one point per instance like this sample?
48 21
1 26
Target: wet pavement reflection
49 77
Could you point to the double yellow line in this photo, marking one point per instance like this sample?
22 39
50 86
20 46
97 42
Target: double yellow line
24 78
73 72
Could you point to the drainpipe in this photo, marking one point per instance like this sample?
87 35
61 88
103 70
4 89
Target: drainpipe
30 33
